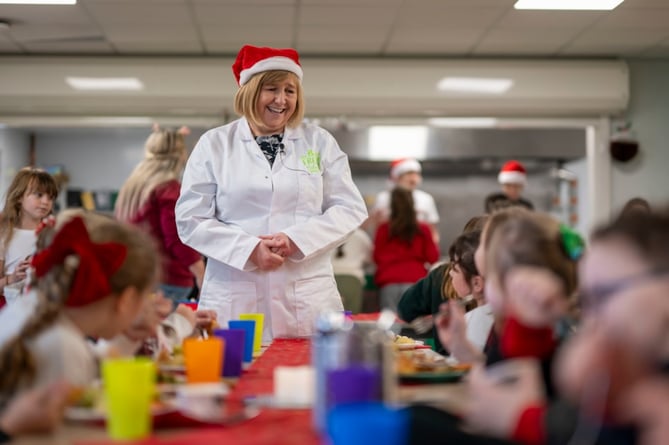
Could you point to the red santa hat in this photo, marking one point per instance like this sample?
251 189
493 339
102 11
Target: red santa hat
252 60
400 166
512 172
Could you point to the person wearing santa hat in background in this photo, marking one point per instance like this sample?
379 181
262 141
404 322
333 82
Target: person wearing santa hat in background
513 178
266 198
406 173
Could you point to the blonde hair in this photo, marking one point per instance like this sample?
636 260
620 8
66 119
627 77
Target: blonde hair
139 270
530 239
164 158
246 97
27 180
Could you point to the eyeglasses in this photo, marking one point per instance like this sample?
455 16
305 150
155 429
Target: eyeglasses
598 294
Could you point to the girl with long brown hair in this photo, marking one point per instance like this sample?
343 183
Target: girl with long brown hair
29 200
403 250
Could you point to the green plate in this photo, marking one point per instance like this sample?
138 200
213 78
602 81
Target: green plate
432 377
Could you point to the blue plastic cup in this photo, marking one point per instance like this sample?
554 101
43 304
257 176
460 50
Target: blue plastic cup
249 327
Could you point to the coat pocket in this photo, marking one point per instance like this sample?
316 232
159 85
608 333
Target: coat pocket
313 297
229 299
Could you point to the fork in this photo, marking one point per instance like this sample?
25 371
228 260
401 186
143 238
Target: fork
422 324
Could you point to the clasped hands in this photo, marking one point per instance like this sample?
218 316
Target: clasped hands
272 250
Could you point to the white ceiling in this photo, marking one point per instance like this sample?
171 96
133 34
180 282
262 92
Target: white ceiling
182 51
370 28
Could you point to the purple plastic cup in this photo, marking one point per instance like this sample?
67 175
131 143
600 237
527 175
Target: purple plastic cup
233 350
355 383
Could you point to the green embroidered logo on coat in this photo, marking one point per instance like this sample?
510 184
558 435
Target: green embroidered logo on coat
312 161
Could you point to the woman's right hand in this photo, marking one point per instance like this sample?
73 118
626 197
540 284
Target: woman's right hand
263 257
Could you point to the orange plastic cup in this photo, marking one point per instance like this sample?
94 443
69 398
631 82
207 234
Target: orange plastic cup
204 359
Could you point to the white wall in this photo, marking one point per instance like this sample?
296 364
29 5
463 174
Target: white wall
95 159
648 175
14 150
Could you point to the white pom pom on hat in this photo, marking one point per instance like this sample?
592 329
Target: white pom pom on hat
252 60
400 166
512 172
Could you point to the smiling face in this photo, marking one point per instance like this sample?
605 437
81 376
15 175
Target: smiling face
275 105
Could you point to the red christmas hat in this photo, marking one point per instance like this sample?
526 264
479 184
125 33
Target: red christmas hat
400 166
512 172
252 60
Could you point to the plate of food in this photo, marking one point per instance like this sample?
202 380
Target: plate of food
404 343
427 366
88 405
171 361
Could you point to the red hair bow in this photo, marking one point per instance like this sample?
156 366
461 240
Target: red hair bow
97 262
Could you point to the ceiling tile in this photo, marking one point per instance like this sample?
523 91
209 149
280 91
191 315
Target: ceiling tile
623 37
212 33
548 19
439 14
138 33
33 14
513 41
93 47
132 11
321 48
244 2
277 16
636 18
633 4
162 47
346 15
382 3
27 33
346 33
433 40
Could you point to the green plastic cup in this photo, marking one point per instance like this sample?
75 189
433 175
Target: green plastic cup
129 387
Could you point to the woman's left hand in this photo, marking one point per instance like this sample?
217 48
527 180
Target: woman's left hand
514 385
284 245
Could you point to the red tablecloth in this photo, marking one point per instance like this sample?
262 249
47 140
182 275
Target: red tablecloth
272 426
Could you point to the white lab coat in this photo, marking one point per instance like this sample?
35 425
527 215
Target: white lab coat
230 195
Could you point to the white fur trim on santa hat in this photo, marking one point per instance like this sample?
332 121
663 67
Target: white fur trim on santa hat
512 177
404 166
279 63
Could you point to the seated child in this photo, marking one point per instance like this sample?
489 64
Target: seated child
91 279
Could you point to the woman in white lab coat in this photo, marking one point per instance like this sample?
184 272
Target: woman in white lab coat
266 198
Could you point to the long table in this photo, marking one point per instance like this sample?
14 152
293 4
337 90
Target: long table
271 426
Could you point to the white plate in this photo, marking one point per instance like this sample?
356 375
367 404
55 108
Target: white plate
82 414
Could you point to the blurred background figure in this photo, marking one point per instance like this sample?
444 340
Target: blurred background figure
147 199
635 207
406 173
349 261
403 249
29 200
512 178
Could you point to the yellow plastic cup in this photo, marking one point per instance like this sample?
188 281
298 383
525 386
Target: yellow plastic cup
204 359
129 387
257 337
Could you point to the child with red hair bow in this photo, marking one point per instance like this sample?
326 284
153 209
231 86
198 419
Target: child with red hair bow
91 280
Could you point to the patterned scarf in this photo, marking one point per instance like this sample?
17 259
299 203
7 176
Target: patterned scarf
270 145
